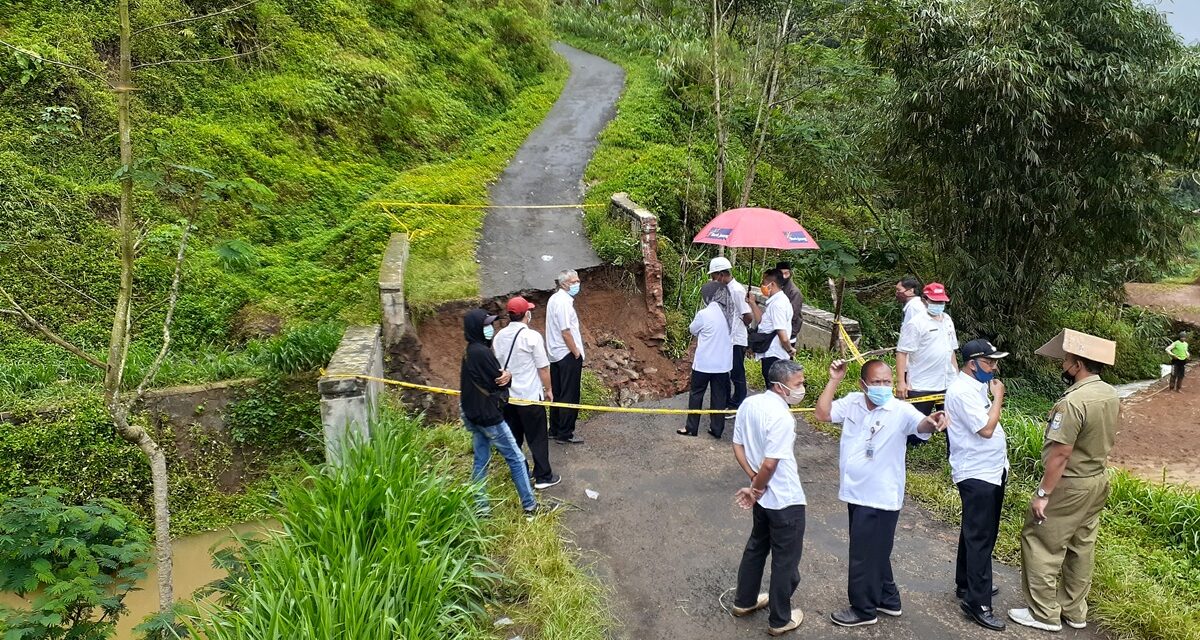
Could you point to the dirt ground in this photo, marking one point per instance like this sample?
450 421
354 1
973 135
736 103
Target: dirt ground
619 343
1179 301
1159 430
665 537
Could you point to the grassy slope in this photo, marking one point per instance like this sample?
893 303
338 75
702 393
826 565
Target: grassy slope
354 101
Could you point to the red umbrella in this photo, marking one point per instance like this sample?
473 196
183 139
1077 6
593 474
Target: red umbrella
754 227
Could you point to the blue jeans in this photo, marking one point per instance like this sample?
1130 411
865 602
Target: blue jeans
499 436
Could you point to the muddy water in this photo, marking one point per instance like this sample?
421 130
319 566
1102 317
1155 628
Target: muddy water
193 569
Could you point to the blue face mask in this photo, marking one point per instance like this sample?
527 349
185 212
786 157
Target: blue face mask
573 290
981 375
879 396
489 332
937 308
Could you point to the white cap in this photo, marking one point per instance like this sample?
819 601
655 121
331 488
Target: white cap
719 264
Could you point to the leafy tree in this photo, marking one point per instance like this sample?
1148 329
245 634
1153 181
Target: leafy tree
78 562
1030 140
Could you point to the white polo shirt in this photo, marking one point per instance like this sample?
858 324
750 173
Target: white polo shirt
929 343
714 350
528 355
777 315
878 481
765 427
738 293
973 456
560 314
914 306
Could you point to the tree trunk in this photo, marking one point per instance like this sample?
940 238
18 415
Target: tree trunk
834 334
118 346
719 174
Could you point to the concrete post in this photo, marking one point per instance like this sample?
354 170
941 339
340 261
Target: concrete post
645 227
350 404
391 290
819 328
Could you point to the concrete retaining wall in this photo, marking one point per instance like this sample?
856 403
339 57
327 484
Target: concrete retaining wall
350 402
644 226
391 290
819 328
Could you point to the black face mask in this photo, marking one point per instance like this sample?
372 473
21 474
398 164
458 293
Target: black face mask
1068 378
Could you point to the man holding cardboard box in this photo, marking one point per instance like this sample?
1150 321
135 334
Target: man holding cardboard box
1064 516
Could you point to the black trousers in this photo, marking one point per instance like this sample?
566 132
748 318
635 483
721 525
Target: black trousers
780 534
1178 369
737 378
718 390
870 584
982 503
529 424
766 368
565 376
927 408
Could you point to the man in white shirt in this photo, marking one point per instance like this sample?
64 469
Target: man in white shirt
774 322
907 296
764 437
713 359
979 468
721 270
564 341
875 426
521 351
927 353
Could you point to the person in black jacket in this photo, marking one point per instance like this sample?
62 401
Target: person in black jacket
484 391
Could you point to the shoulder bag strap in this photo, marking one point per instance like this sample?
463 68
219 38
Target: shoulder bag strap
514 346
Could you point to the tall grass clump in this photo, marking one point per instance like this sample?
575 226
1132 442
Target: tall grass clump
387 545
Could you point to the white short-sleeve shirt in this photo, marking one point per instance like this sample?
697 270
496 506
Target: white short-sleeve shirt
714 349
914 306
973 456
877 481
765 427
777 315
930 343
528 355
738 293
560 314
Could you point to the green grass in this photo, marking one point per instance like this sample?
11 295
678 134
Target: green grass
390 545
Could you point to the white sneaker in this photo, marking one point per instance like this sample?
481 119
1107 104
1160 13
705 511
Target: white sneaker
761 603
1075 625
794 623
1024 618
895 613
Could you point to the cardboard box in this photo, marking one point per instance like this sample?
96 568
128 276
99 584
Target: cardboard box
1080 344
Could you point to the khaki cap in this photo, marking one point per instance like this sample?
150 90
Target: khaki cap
1079 344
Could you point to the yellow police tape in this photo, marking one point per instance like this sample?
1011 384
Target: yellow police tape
569 405
447 205
850 344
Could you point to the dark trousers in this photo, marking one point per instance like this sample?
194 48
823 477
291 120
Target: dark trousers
737 377
766 369
565 376
927 408
1178 368
529 424
870 584
779 533
718 389
982 503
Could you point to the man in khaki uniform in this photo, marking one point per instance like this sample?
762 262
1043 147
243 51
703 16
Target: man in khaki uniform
1059 537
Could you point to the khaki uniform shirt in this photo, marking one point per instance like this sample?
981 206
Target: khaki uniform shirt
1086 418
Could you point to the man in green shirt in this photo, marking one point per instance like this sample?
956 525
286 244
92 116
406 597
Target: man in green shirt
1179 357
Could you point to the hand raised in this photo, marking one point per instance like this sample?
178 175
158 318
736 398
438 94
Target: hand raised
837 369
997 388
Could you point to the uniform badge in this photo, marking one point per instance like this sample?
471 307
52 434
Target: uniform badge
1056 422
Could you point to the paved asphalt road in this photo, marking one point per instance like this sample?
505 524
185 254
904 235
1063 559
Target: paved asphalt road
666 538
526 248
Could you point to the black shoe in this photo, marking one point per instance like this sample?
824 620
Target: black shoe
547 483
850 618
962 595
571 440
983 616
714 435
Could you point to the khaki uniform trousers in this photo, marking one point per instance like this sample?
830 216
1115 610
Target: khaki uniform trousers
1065 545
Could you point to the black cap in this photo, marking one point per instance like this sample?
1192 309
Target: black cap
981 348
489 319
783 264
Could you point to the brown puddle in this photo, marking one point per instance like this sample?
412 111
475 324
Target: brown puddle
193 569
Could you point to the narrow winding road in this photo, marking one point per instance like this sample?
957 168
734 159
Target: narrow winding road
523 249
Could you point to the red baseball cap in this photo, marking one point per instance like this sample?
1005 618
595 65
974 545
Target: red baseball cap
936 292
519 305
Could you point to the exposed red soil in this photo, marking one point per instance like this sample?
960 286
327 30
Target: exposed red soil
621 343
1160 429
1178 301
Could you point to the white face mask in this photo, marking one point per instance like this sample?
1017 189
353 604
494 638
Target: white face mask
794 396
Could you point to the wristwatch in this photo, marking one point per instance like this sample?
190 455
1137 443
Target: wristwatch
1042 494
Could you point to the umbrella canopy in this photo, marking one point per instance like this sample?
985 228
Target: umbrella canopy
754 227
